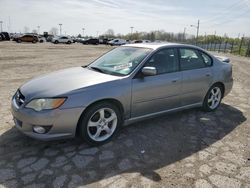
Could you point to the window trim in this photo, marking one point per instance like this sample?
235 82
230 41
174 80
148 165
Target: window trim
199 55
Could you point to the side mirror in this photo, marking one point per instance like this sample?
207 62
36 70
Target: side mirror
149 71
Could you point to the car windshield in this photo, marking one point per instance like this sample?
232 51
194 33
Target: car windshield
121 61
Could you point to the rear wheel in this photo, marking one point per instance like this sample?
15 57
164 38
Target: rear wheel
56 42
69 42
213 98
100 123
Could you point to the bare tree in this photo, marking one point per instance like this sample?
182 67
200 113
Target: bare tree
53 31
26 29
109 33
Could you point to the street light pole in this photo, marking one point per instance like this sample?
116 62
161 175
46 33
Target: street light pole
60 29
83 32
38 30
1 22
131 31
184 34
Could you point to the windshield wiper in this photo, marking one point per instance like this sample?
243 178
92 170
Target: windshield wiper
97 69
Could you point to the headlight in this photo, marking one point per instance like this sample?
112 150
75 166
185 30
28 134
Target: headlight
45 104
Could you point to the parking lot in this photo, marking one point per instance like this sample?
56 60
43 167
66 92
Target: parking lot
185 149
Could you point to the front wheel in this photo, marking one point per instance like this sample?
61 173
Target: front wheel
100 123
213 98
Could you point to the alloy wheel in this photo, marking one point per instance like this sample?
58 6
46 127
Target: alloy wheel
102 124
214 98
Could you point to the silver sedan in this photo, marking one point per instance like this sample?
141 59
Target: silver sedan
127 84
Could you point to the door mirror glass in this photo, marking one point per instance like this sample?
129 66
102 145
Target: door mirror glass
149 71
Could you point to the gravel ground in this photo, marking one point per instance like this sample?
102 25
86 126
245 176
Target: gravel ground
185 149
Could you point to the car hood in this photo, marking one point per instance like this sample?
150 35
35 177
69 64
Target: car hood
64 81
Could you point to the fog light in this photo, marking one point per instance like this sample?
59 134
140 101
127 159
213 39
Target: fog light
39 129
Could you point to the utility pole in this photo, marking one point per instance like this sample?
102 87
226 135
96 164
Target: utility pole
60 29
1 23
197 28
83 32
38 30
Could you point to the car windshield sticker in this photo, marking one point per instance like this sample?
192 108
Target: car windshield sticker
123 66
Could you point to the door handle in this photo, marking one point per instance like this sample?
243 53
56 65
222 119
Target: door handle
175 80
208 74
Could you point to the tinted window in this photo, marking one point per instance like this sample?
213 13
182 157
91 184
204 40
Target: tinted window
164 61
207 59
190 59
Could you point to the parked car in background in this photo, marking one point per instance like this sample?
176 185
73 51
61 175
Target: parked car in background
91 41
130 83
62 39
79 40
49 38
117 42
41 39
27 38
5 36
104 41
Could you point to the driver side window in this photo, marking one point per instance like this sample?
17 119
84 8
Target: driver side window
165 61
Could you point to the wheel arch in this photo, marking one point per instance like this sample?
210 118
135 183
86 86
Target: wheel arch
221 85
116 102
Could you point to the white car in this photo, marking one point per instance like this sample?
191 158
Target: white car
41 39
62 39
117 42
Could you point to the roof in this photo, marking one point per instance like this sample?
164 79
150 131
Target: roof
155 46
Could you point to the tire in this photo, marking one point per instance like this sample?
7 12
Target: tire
69 42
19 40
41 41
97 120
213 98
56 42
34 41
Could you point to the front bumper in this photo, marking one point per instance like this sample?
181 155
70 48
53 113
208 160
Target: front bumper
63 122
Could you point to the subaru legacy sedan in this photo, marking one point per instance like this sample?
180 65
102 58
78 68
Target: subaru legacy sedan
127 84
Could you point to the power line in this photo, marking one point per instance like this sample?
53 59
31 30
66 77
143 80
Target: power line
225 11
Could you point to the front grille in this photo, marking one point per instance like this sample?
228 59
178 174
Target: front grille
19 97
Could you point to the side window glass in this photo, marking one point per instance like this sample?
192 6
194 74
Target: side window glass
190 59
207 59
164 61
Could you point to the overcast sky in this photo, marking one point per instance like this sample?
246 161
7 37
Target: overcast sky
223 16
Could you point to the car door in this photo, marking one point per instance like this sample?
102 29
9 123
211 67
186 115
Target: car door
152 94
25 38
63 39
196 75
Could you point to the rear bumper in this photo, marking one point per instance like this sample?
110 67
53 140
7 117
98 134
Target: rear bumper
228 87
62 123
